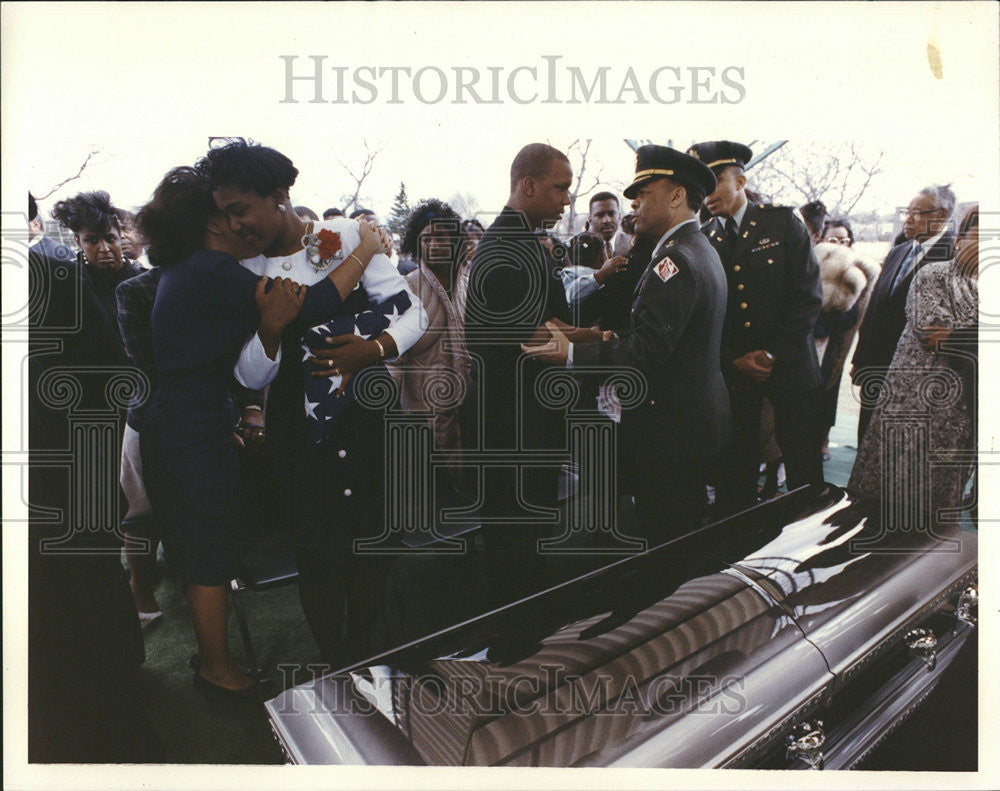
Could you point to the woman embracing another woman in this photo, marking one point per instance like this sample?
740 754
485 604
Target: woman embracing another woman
212 321
325 447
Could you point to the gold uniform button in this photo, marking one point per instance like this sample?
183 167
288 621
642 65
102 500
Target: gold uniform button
743 306
736 268
770 260
739 287
348 492
746 234
746 325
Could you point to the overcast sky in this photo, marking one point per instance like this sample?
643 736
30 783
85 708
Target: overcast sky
147 84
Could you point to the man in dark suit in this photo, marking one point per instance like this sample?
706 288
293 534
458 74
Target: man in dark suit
929 238
603 218
514 287
775 296
673 340
40 245
609 306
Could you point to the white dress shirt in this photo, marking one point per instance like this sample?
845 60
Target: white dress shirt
740 213
254 369
925 246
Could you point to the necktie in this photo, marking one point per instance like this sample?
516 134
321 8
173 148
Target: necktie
906 267
730 233
609 249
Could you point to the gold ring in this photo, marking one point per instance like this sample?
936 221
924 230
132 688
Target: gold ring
329 363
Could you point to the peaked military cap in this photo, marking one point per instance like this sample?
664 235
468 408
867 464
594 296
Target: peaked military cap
653 162
719 154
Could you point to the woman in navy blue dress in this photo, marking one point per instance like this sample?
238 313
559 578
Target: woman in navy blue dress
207 307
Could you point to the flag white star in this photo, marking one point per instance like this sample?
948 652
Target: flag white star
335 383
311 408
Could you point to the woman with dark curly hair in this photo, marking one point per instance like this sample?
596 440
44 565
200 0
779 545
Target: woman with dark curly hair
434 374
87 708
94 222
207 306
97 227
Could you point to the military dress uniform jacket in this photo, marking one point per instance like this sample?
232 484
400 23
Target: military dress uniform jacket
885 316
673 339
775 293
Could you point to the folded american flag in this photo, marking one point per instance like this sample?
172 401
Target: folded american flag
323 405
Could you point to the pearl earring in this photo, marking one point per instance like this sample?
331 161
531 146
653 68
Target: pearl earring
281 207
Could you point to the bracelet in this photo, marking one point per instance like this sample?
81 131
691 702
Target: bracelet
381 348
253 406
352 255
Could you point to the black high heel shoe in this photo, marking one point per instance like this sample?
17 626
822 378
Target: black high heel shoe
213 691
195 664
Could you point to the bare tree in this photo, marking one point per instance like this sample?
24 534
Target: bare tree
837 174
359 175
578 152
466 205
74 177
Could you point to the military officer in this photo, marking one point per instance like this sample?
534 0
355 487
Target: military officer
775 296
673 338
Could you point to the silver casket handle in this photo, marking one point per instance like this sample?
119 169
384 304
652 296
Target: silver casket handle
967 608
922 644
806 743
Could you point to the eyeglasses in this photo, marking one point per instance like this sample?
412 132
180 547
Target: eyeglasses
904 213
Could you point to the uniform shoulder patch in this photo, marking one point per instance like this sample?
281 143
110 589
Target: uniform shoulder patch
666 269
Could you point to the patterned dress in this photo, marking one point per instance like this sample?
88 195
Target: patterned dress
915 450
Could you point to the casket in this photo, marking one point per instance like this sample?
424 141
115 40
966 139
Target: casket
796 634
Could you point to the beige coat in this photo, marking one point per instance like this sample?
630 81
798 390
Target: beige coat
847 280
434 374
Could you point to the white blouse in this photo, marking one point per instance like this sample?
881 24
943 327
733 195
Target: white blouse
381 279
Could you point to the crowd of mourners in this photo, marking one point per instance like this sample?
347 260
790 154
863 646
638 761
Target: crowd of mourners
706 329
